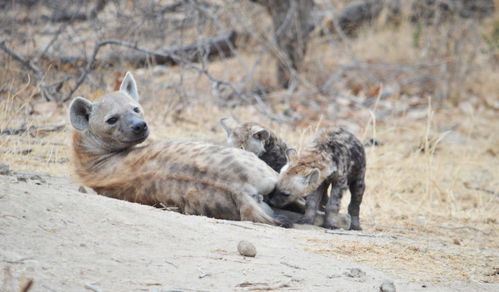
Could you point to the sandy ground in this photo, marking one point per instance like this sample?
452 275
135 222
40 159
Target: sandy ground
64 240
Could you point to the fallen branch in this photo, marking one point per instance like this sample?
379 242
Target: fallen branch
38 129
22 60
44 88
70 17
354 233
220 45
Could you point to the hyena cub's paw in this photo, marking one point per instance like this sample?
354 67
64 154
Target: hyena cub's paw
282 221
337 221
355 224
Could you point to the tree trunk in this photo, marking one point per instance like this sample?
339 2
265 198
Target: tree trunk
292 25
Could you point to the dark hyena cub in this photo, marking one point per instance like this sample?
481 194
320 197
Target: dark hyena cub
337 158
255 138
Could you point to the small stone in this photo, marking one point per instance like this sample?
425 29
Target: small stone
246 249
22 178
355 273
37 179
82 189
4 169
387 286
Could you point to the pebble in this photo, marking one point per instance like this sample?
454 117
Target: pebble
387 286
82 189
246 248
4 169
355 273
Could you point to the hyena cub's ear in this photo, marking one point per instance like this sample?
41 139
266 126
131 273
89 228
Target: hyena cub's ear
260 133
79 113
313 177
228 124
129 86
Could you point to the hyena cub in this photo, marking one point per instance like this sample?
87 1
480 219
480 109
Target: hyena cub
198 178
255 138
337 158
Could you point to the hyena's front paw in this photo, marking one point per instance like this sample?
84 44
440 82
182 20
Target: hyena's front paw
306 220
282 221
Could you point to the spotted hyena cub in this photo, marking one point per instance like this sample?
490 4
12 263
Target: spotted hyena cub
337 158
255 138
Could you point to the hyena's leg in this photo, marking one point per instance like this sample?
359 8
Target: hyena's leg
357 188
312 205
334 203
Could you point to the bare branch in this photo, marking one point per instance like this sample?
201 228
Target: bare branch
21 60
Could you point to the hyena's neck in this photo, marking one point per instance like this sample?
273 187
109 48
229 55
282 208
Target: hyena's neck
90 155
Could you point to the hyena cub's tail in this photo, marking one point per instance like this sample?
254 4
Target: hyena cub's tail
250 210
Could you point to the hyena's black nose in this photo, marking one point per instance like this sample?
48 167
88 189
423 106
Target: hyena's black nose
139 127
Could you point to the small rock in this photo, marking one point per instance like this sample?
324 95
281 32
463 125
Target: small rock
387 286
355 273
82 189
22 178
4 169
38 179
246 249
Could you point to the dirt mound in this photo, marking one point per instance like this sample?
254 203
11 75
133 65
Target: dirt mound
64 240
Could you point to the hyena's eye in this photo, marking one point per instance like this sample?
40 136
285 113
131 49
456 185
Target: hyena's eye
112 120
136 109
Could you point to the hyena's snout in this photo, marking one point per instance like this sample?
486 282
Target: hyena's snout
136 127
279 199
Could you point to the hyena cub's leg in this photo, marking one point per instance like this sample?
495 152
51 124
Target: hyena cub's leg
357 188
314 201
334 203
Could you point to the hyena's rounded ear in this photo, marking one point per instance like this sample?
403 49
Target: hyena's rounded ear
228 124
79 113
261 134
129 86
313 177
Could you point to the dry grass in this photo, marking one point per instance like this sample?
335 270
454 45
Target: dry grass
411 194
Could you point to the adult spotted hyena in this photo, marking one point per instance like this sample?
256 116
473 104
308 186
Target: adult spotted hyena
198 178
255 138
337 158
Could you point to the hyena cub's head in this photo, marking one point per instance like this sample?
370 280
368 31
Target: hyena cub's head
115 121
248 136
297 179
